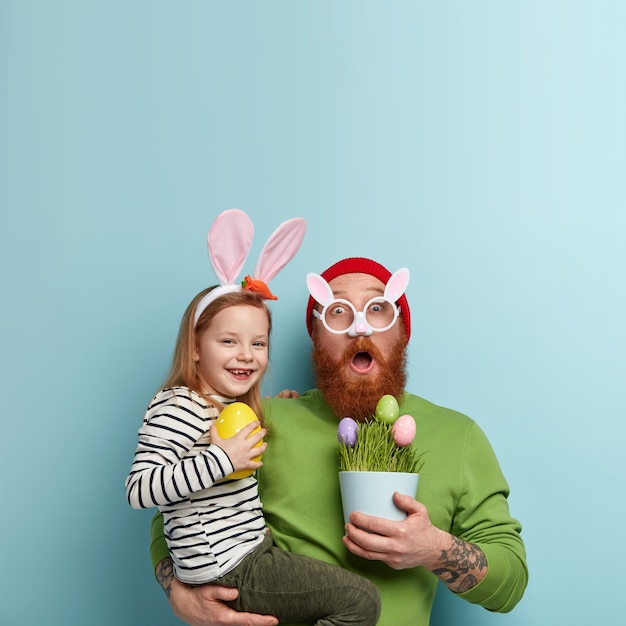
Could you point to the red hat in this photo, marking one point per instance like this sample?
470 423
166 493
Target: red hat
360 265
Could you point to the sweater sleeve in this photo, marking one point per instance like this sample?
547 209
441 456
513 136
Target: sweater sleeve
482 517
158 544
163 471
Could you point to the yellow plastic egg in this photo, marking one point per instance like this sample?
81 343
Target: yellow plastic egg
230 421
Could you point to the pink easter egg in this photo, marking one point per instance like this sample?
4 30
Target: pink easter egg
403 430
347 431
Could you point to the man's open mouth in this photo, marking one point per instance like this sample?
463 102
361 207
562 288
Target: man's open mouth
362 362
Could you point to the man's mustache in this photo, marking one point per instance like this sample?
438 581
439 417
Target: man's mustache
360 345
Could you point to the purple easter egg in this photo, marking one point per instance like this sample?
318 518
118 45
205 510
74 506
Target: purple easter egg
347 431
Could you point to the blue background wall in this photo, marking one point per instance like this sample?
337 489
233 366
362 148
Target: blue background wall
482 144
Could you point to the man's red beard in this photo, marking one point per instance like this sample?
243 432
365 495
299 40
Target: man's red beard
356 395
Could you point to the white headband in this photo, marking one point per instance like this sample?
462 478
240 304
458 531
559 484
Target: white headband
229 241
214 294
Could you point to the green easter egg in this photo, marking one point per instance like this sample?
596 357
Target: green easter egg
387 409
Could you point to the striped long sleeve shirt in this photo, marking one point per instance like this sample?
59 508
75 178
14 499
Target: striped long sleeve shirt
211 524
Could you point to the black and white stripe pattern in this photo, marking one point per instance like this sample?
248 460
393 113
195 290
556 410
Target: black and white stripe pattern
210 523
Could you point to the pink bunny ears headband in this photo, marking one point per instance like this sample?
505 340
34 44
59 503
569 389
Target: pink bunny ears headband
229 242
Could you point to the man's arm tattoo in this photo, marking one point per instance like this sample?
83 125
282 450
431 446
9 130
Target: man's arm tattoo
165 575
459 565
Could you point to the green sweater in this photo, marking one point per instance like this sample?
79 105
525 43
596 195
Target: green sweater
461 485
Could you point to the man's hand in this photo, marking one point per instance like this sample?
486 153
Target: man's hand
288 393
203 605
401 545
416 542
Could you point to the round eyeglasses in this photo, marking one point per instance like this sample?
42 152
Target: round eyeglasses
340 316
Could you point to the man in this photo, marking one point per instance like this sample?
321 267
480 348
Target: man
458 530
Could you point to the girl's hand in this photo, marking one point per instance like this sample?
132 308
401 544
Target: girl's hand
241 448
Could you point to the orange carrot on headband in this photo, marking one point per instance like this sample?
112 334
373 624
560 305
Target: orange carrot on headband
259 287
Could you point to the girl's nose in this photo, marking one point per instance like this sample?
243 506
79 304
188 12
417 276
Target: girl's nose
245 354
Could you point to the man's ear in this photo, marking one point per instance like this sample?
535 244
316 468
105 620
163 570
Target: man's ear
316 324
403 333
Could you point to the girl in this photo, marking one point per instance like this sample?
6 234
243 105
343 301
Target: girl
214 525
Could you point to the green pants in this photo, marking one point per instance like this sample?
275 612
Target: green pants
297 589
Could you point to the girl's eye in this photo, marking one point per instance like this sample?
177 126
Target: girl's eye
259 344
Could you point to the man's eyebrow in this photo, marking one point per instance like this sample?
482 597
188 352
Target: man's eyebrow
377 291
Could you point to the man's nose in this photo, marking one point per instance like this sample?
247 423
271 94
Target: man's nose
360 326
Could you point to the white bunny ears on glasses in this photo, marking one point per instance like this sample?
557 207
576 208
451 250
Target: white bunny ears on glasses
229 242
379 314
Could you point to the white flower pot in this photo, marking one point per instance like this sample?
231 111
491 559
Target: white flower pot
372 492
